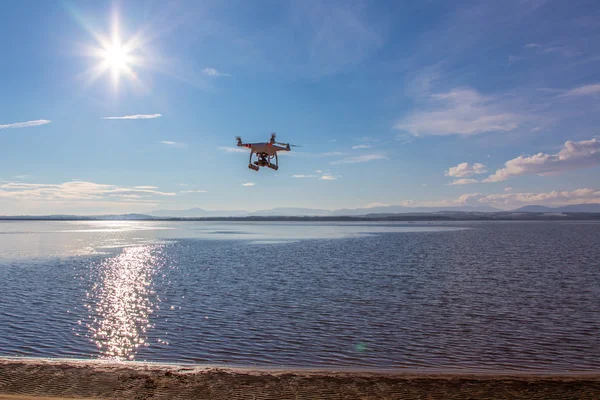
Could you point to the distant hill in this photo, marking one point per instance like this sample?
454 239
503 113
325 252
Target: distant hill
411 210
291 211
296 211
197 213
534 208
585 208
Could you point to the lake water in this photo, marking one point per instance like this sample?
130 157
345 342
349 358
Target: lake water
493 295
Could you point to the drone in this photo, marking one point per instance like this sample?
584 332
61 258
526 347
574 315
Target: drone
265 152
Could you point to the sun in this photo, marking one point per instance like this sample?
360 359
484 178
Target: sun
117 57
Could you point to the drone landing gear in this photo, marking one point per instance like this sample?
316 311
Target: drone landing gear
263 160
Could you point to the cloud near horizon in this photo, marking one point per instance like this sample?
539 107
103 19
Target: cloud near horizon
573 155
26 124
514 200
248 184
76 191
459 112
136 116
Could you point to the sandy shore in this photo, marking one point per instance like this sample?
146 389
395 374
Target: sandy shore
23 378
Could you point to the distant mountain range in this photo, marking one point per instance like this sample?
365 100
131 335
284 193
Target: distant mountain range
292 212
382 212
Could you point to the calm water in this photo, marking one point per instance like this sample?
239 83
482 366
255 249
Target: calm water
474 295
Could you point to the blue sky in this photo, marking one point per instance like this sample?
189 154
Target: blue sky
400 103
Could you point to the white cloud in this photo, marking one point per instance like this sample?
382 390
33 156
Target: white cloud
328 177
214 72
173 144
234 149
25 124
362 146
74 191
573 155
586 90
318 171
248 184
136 116
464 169
303 176
460 111
192 191
359 159
508 189
556 197
463 181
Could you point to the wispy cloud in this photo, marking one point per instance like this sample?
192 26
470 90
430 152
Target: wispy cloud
193 191
462 112
362 146
556 197
359 159
304 176
173 144
561 50
136 116
464 169
75 191
328 177
27 124
213 72
234 149
573 155
514 200
248 184
463 181
586 90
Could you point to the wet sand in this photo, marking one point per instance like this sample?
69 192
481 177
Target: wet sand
47 378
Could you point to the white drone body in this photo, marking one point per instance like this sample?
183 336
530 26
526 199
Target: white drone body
265 152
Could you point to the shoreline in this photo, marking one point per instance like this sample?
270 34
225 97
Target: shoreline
183 367
66 378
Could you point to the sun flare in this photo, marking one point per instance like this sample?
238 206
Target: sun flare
117 57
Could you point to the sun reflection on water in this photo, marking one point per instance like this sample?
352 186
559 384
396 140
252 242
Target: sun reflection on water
120 302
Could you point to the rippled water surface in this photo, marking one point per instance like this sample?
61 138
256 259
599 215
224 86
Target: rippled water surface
515 295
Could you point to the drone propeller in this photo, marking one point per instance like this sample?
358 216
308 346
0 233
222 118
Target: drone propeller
239 139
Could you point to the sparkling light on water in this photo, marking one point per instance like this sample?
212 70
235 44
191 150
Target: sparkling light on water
120 303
